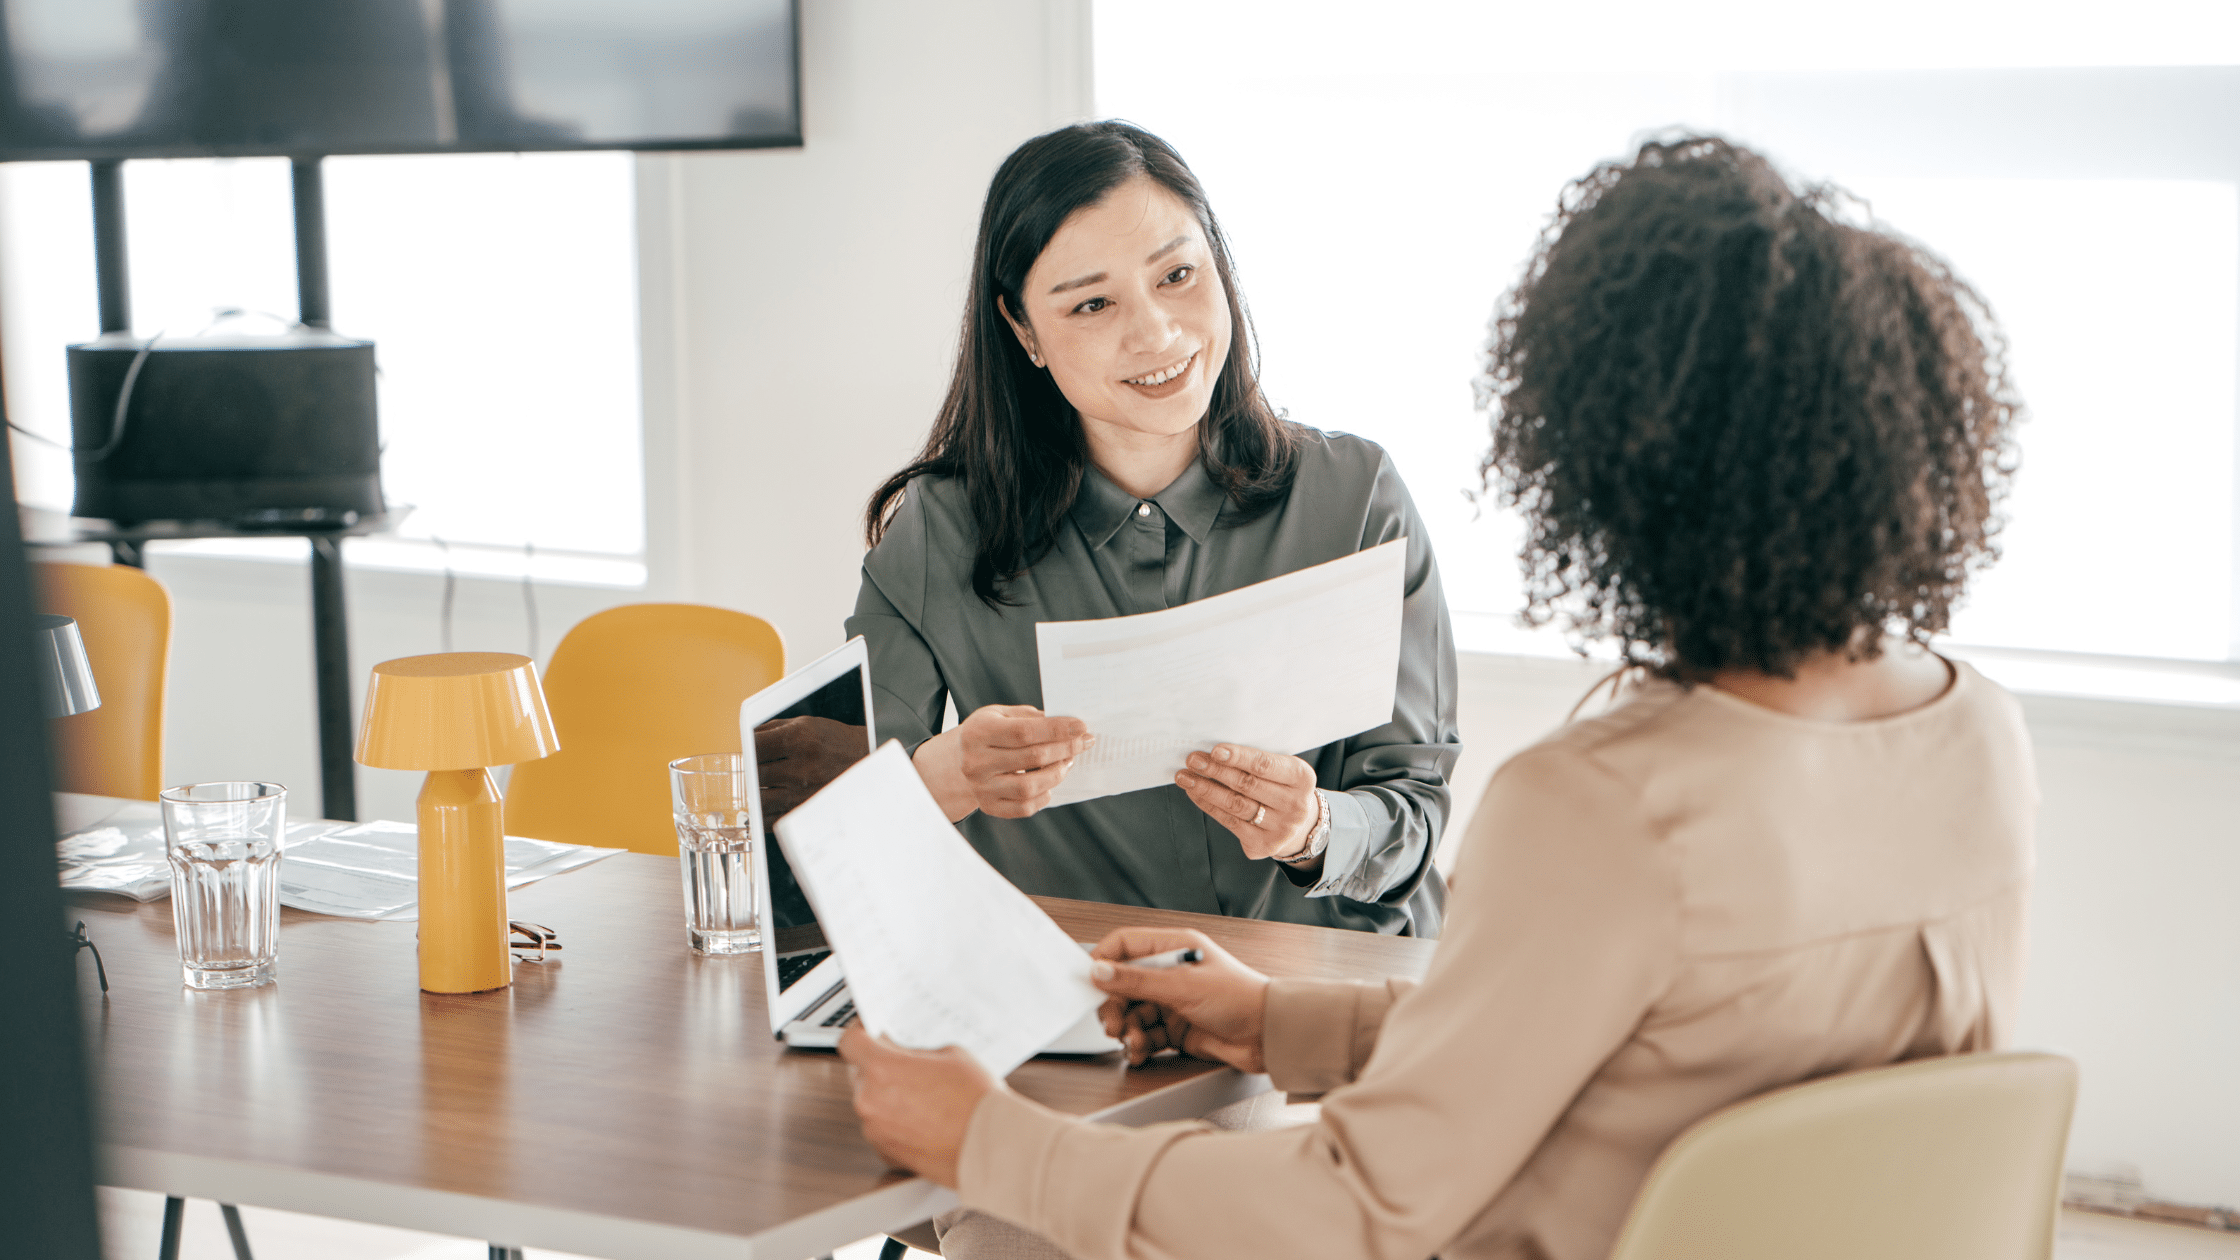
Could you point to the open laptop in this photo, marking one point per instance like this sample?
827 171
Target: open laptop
807 994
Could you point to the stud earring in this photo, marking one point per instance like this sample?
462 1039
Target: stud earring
1035 359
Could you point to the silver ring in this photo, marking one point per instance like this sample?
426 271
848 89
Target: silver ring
1260 817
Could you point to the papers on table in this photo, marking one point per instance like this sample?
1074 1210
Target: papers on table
1285 665
360 871
117 846
372 870
939 948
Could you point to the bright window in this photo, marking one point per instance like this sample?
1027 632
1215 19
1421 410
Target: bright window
1383 170
500 290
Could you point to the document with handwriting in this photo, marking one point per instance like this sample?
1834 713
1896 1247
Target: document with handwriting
1284 665
939 948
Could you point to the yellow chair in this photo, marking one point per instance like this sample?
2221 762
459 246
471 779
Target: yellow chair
632 689
1955 1158
125 618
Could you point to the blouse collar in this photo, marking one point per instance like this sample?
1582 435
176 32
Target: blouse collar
1192 501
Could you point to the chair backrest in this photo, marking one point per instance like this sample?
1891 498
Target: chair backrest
632 689
125 618
1955 1158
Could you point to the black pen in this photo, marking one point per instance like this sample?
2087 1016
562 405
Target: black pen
1172 958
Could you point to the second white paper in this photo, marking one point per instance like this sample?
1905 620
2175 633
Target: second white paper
1285 665
939 948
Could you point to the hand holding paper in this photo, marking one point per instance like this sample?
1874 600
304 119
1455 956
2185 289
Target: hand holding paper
939 948
1284 665
1266 800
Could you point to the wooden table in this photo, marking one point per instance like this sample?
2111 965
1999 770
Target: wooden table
625 1100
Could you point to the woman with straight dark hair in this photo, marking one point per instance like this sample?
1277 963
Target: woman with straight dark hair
1105 449
1762 449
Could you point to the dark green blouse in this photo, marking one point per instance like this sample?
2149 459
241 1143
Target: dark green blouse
932 640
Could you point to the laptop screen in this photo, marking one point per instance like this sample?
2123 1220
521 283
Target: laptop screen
793 933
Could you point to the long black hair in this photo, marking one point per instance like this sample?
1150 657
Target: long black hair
1005 431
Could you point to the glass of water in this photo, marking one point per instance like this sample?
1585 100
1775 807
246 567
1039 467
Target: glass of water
223 842
715 845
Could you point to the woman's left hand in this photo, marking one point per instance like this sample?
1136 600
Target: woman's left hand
1265 799
915 1105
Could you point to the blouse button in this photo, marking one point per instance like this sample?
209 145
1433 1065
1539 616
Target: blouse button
1143 509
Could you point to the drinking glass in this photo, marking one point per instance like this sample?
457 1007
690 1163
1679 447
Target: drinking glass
715 845
223 843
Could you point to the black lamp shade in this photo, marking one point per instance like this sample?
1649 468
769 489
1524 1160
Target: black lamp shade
65 675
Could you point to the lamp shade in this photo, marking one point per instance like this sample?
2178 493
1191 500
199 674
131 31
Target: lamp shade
65 675
455 711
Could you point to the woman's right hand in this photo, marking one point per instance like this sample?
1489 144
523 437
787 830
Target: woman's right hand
1214 1008
1003 760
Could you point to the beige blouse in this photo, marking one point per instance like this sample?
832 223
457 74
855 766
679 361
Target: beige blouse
1659 911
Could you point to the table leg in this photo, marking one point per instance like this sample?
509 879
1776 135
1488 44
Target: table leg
127 552
174 1214
330 641
504 1253
236 1231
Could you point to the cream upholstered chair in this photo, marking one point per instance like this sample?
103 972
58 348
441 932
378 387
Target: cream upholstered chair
1955 1158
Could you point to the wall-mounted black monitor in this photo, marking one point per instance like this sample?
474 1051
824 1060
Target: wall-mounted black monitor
249 78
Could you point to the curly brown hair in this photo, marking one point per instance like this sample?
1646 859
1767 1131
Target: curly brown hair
1740 430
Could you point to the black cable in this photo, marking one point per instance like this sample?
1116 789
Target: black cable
64 447
79 940
116 422
132 378
124 401
219 315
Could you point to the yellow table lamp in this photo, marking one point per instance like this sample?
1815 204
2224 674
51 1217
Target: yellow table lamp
454 715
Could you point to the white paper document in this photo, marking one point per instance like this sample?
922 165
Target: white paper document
372 870
1285 665
939 948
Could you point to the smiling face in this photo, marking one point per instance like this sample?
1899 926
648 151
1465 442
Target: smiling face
1127 312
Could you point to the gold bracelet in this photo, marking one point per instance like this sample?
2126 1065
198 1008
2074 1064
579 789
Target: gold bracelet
1318 836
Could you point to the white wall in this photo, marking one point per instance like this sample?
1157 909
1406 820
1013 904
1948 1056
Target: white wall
2135 951
799 310
810 299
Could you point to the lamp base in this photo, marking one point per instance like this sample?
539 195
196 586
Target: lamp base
463 933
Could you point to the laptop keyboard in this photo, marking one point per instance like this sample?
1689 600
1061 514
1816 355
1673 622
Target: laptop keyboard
842 1017
794 966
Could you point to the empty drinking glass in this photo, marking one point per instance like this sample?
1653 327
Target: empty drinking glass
223 842
715 845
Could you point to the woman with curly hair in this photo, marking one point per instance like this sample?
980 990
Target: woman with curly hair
1761 448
